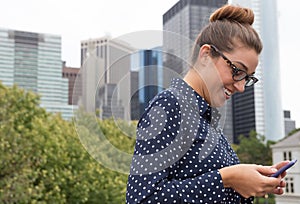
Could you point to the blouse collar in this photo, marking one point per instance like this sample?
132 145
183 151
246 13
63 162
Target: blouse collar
196 101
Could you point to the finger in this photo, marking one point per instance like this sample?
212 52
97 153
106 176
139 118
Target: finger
281 164
278 191
283 174
282 184
266 170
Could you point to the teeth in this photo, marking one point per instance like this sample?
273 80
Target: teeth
227 92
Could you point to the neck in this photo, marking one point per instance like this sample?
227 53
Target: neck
194 80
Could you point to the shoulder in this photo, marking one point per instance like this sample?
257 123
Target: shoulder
163 110
166 100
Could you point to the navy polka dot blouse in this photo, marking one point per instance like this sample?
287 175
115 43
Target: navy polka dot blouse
179 149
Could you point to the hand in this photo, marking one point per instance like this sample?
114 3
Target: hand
282 184
252 180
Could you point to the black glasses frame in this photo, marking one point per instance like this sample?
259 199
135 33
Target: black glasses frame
236 72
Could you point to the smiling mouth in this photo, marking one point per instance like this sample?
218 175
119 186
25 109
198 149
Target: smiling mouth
227 92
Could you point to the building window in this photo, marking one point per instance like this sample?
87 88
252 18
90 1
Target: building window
289 185
290 155
287 155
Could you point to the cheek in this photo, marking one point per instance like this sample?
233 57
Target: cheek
226 77
227 81
224 73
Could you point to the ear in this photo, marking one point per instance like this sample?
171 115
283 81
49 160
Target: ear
204 53
204 50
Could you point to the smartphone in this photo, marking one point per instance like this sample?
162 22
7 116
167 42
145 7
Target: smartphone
284 168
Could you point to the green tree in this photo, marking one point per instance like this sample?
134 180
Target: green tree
43 160
254 149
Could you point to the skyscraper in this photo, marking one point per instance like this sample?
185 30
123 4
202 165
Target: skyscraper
33 62
289 124
260 107
150 76
105 74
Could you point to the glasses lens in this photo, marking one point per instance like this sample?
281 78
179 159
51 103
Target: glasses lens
250 81
239 75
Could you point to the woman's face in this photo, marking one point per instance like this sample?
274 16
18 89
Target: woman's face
220 84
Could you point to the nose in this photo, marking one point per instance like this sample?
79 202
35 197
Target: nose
240 85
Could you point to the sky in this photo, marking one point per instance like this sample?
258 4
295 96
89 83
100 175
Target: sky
84 19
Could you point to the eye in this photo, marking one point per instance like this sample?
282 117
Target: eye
240 72
235 70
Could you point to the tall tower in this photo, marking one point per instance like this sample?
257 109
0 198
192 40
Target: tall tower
289 124
33 62
260 107
105 74
150 76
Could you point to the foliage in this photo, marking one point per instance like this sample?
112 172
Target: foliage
254 149
268 199
110 142
235 147
43 160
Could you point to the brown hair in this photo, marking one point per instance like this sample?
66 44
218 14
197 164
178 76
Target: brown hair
228 26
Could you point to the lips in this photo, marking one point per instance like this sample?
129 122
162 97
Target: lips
227 92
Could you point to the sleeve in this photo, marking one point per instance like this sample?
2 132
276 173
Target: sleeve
156 160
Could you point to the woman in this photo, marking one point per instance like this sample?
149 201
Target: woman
181 155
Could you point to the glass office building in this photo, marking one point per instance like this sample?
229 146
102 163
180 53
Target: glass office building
105 71
33 62
150 76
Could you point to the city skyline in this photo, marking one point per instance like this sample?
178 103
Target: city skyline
76 21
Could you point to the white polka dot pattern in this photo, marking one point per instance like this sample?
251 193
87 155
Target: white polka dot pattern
178 152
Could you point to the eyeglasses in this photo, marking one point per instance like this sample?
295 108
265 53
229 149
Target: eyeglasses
237 74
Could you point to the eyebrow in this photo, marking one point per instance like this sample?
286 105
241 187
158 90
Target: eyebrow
226 58
244 66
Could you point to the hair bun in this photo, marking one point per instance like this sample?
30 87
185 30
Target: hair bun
233 13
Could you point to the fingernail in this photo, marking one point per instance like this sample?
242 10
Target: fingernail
273 170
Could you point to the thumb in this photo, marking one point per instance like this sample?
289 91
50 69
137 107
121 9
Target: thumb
266 170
